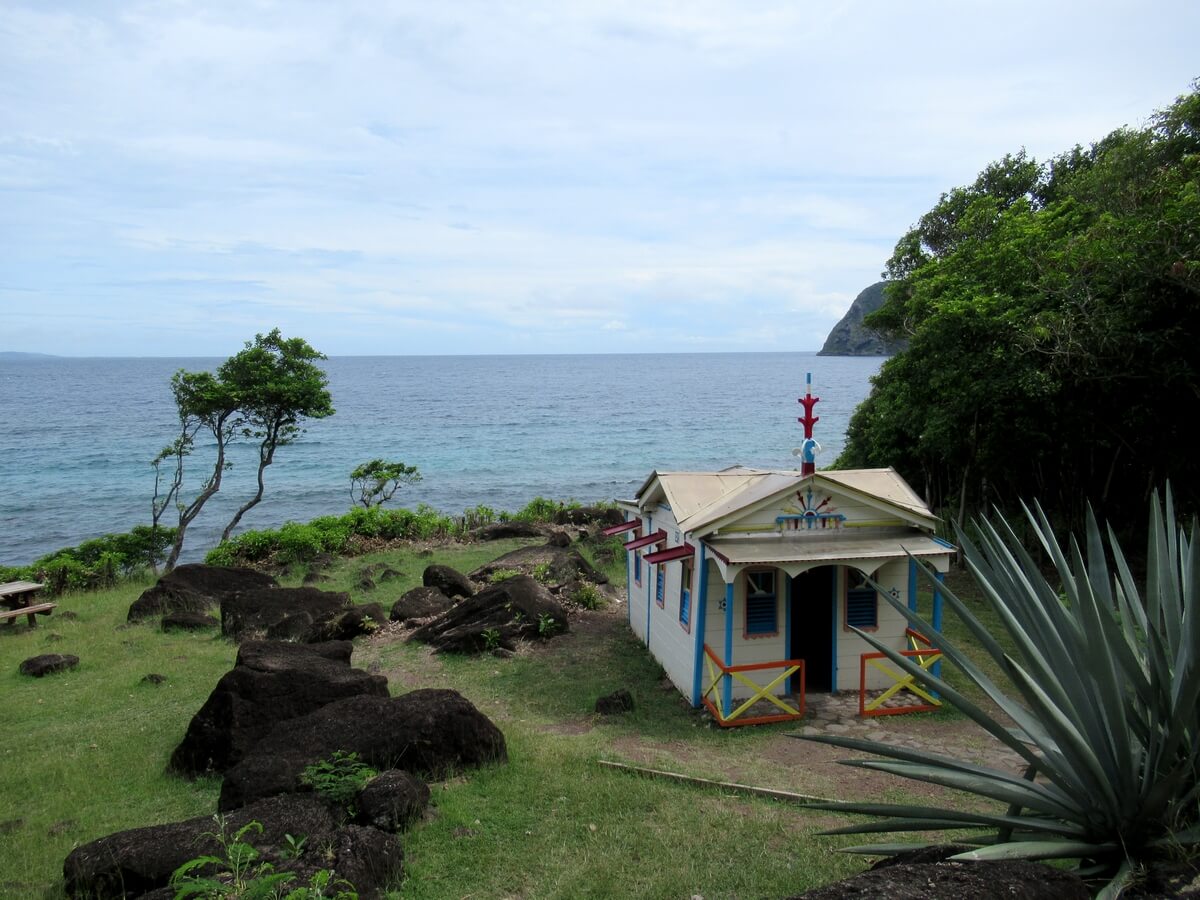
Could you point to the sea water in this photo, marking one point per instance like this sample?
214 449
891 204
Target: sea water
77 435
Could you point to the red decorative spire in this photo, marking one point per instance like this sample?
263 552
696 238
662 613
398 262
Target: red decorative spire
808 450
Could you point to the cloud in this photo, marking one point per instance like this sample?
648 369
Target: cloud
465 178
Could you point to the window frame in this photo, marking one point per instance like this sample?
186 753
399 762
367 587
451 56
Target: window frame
857 593
685 594
759 599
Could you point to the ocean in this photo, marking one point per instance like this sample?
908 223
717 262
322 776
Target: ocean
77 435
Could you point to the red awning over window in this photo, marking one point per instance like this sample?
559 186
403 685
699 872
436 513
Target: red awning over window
637 543
662 556
624 526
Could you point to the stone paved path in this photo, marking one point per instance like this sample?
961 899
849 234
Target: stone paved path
838 714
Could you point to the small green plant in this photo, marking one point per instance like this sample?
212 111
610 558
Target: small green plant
240 870
491 639
502 575
547 625
293 847
588 596
338 780
541 572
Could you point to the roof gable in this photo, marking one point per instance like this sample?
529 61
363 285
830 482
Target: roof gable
759 499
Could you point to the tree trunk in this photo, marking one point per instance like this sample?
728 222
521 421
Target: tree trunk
266 456
188 513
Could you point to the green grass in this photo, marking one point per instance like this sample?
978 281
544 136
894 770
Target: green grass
84 754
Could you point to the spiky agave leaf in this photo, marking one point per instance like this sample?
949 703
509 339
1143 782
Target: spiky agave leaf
1108 681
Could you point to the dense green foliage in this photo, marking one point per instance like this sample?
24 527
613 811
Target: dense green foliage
1052 312
97 563
365 527
374 483
264 393
1111 741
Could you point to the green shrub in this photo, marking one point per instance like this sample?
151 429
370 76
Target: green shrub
338 780
502 575
588 596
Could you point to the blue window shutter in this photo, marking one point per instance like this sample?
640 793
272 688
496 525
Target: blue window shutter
685 606
862 608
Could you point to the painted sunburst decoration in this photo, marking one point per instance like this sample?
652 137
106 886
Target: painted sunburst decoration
810 514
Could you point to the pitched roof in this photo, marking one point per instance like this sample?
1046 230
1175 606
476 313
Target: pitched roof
701 501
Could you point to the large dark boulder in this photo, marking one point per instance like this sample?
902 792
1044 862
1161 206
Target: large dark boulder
364 618
271 681
420 603
929 874
182 620
501 530
392 800
557 565
196 588
498 616
135 862
449 581
47 664
590 515
426 732
286 614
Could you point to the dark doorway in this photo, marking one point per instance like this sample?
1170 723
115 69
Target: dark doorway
812 625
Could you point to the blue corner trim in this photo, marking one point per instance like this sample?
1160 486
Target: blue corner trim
699 606
646 578
727 699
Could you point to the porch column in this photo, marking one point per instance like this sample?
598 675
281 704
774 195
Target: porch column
912 584
727 697
699 608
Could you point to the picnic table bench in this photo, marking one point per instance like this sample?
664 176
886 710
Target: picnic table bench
16 598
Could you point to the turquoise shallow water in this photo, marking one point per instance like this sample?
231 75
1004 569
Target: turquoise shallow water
77 435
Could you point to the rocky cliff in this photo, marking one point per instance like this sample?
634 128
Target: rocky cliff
850 337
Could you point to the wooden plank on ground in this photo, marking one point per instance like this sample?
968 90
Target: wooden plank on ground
774 794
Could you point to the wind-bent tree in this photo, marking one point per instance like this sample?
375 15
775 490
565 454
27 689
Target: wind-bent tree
373 483
205 405
263 392
277 385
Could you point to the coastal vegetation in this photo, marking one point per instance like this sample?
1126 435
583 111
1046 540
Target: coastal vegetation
264 393
374 483
1051 311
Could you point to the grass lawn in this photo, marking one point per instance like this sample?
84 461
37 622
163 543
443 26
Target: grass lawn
84 754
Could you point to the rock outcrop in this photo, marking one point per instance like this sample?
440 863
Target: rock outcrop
850 337
425 732
196 588
498 616
270 682
420 603
135 862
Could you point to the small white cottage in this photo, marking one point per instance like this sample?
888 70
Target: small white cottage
744 583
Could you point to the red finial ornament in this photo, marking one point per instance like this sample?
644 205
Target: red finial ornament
808 451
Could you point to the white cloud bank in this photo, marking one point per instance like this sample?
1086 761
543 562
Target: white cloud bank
473 178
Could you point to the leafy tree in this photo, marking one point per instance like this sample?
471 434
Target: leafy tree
373 483
265 391
277 385
1051 312
204 405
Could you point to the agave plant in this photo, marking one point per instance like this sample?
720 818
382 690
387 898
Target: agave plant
1105 682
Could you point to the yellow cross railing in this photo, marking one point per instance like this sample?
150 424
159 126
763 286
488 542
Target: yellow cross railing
925 655
719 674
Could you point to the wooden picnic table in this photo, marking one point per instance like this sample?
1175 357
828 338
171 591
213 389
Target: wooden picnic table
17 599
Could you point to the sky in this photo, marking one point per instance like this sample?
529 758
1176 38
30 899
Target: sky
527 177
